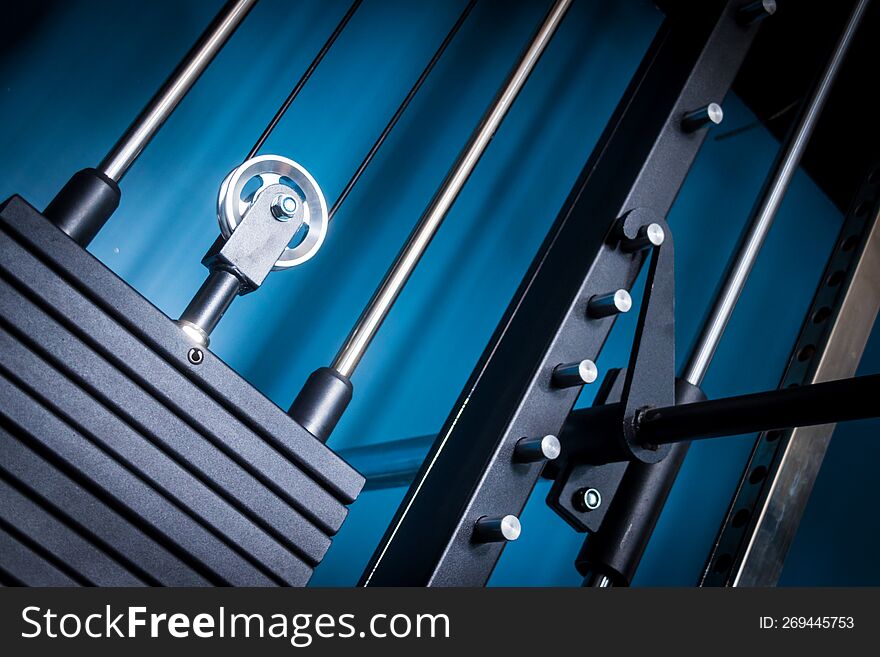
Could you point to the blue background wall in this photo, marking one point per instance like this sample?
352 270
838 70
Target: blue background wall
74 76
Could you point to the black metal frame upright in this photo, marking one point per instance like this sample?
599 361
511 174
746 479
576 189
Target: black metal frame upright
639 164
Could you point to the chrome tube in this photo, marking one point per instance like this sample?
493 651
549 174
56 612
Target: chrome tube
371 319
117 162
765 209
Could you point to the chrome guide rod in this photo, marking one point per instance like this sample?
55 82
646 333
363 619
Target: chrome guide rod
371 319
765 209
120 158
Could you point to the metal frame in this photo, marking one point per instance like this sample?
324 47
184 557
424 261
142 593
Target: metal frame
640 162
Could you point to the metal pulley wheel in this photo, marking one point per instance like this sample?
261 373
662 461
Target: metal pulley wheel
275 170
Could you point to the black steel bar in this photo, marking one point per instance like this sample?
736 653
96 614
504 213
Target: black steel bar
640 161
209 304
400 110
612 560
303 79
803 406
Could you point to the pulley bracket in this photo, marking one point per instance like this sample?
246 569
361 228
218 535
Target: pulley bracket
278 225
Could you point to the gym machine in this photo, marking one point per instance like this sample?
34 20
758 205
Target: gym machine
131 455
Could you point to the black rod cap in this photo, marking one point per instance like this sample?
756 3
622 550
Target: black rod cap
84 205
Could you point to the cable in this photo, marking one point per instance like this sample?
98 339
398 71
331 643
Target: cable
400 110
305 78
380 304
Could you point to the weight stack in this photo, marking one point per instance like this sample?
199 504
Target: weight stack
125 458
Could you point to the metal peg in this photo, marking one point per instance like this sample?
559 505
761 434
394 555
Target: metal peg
755 11
532 450
708 115
567 375
606 305
497 529
649 236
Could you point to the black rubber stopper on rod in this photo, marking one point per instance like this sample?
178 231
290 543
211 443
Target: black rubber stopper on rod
84 205
321 402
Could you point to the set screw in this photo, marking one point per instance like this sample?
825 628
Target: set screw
567 375
497 529
708 115
532 450
606 305
195 356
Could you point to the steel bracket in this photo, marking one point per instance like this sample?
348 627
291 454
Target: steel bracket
597 448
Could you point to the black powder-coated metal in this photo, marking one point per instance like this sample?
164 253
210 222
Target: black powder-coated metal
640 161
174 473
570 475
803 406
320 404
84 205
605 435
35 475
619 539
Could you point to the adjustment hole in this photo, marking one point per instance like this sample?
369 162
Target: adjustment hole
850 243
836 278
740 518
806 353
773 436
821 315
723 564
195 356
758 475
